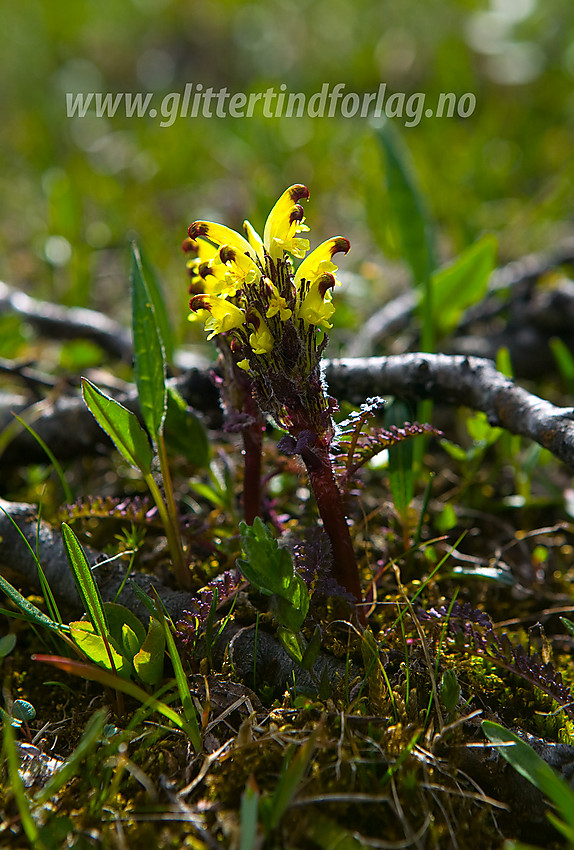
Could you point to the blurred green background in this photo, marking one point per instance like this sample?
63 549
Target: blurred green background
74 190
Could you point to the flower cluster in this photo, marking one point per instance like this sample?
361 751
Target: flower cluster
270 317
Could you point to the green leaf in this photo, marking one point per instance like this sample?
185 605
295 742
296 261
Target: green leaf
411 216
149 355
312 650
480 431
565 361
270 569
154 289
504 362
121 425
267 567
23 710
449 690
184 432
291 609
148 662
86 586
462 283
143 597
447 518
7 644
93 645
292 643
568 625
329 835
129 644
530 765
118 616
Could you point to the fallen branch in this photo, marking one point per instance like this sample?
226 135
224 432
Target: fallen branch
55 321
19 567
462 381
70 430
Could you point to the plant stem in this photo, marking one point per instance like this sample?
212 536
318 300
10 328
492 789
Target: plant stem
330 504
168 515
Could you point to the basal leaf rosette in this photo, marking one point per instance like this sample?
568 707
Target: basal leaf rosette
271 317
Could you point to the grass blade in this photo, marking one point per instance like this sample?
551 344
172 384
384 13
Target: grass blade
401 462
52 458
294 769
88 742
30 612
530 765
415 232
249 810
149 355
46 589
181 681
108 680
412 220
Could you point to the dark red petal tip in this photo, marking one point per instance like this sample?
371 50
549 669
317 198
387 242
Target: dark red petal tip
299 192
188 245
325 282
341 246
198 228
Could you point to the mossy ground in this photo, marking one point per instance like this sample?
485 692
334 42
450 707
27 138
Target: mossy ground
385 756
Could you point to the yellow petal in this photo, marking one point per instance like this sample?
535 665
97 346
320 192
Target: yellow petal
239 265
319 261
218 314
205 250
220 235
277 304
317 307
254 240
280 223
261 341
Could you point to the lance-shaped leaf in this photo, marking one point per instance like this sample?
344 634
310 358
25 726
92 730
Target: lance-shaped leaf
121 425
86 586
411 217
148 662
462 283
530 765
149 355
157 299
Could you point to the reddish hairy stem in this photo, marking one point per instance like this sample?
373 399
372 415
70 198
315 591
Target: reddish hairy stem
330 504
